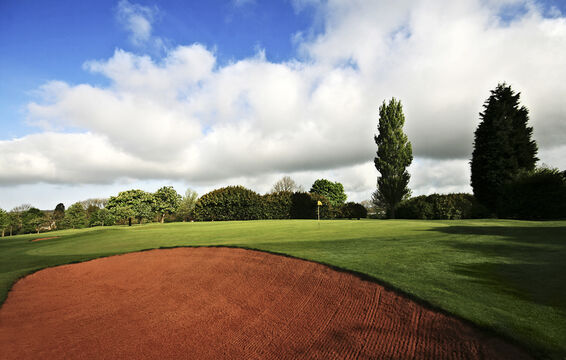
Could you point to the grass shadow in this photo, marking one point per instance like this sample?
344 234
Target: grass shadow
525 262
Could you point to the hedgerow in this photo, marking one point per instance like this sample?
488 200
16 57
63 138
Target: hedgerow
229 203
438 207
239 203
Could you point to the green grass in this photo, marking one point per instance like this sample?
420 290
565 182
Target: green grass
508 276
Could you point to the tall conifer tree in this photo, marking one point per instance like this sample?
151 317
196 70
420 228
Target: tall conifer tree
394 155
502 145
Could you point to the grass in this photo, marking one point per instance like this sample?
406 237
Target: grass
507 276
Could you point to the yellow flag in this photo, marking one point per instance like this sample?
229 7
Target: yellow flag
319 203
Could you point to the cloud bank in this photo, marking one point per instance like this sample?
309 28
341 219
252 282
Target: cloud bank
185 117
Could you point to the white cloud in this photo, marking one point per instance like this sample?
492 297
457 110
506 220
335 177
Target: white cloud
138 21
183 117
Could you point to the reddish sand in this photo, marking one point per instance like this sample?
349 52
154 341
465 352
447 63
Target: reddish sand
46 238
219 303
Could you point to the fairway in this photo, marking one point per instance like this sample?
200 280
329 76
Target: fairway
503 275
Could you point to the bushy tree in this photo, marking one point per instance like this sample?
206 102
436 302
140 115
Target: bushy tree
333 191
31 220
229 203
352 210
502 145
140 203
101 217
39 222
15 222
286 184
166 201
4 221
187 205
59 212
75 216
121 213
394 155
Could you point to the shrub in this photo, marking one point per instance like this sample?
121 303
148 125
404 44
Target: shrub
437 206
277 205
353 210
534 195
239 203
327 210
229 203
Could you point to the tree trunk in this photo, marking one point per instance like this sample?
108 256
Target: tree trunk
10 230
162 218
2 232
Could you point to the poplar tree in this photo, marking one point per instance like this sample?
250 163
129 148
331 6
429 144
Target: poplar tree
394 155
502 145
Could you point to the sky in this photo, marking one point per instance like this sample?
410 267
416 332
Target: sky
98 97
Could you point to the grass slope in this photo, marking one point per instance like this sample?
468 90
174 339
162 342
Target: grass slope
509 276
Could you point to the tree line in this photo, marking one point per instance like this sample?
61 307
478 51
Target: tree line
286 200
505 180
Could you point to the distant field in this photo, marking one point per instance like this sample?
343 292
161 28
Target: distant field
508 276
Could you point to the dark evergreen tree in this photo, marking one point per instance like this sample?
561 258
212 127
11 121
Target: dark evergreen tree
60 210
502 145
394 155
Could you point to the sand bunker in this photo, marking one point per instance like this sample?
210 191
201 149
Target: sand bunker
46 238
220 303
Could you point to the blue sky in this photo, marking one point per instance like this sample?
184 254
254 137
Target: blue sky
43 41
102 96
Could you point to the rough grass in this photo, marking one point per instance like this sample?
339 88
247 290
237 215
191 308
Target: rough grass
508 276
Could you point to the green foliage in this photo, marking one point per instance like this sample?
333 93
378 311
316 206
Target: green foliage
277 205
352 210
59 212
31 220
394 155
239 203
4 221
102 217
76 216
333 191
132 203
14 222
229 203
304 206
441 207
327 210
122 213
534 195
187 205
167 201
502 146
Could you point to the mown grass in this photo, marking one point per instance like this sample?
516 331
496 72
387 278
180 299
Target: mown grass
508 276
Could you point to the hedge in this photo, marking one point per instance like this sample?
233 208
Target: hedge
229 203
239 203
536 195
437 207
352 210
